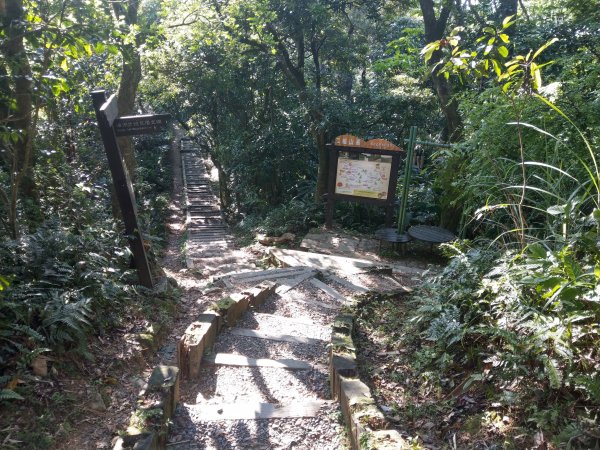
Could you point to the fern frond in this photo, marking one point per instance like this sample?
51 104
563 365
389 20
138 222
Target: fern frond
8 394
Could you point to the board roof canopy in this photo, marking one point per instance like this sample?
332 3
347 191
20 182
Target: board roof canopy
349 140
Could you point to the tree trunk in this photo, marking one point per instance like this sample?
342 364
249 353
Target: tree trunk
19 117
435 27
434 31
131 75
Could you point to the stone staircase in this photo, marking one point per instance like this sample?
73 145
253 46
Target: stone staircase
264 384
208 234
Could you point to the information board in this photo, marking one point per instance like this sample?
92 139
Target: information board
370 179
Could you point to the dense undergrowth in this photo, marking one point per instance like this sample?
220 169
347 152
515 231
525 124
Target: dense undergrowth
500 349
70 279
523 329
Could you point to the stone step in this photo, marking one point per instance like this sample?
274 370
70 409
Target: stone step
209 226
208 234
230 359
245 332
256 410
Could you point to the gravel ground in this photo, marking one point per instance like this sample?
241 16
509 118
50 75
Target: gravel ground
258 384
299 326
288 306
264 348
323 432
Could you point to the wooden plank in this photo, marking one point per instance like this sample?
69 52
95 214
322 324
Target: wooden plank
297 320
110 109
318 303
346 283
106 111
290 283
271 274
275 337
255 410
229 359
328 290
339 264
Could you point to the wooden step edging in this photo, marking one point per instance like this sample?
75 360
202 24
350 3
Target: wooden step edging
230 359
365 422
148 426
201 334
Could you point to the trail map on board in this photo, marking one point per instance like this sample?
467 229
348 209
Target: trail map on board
362 178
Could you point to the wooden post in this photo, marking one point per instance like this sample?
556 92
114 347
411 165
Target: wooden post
106 114
333 159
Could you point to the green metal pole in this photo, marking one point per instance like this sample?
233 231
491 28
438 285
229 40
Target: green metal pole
410 150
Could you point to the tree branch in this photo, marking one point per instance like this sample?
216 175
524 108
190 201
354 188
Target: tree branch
295 74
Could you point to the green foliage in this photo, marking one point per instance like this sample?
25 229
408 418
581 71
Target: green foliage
527 320
8 394
295 217
60 276
258 126
154 178
523 323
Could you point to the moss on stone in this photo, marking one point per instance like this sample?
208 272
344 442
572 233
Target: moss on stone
223 304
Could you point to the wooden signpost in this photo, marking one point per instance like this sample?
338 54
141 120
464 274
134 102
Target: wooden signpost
112 126
372 179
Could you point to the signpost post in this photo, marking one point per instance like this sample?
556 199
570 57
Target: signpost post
112 126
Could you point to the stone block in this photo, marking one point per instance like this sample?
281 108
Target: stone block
164 381
149 442
342 343
387 440
148 426
340 366
352 392
261 292
141 441
136 440
239 307
232 307
342 359
359 409
197 337
214 318
344 323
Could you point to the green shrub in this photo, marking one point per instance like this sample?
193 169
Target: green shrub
295 216
526 320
